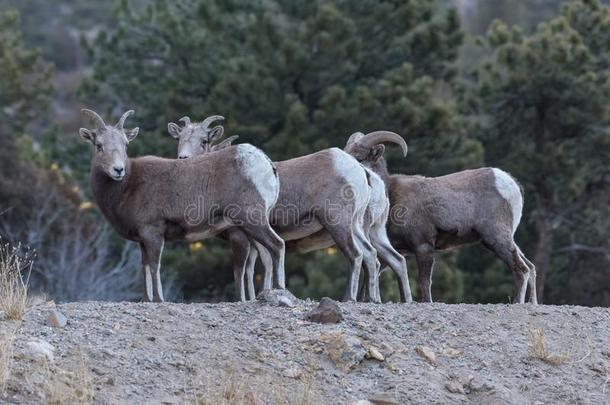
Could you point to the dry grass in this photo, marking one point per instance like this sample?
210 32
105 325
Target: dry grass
540 348
69 386
6 356
232 388
13 288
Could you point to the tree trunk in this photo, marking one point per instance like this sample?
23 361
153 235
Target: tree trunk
544 212
544 246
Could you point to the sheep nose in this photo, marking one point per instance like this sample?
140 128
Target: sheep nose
183 157
118 170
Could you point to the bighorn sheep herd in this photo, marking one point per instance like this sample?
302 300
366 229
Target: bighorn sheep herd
333 197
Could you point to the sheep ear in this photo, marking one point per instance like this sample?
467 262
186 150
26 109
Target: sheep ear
131 134
216 132
87 135
377 152
174 130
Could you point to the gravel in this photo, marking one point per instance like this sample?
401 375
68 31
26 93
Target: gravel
172 353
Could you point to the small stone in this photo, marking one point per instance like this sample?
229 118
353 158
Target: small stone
328 311
110 381
374 354
451 352
427 354
455 387
345 351
383 399
598 367
56 319
278 298
361 402
39 350
292 372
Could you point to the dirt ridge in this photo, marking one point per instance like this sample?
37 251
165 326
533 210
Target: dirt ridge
256 353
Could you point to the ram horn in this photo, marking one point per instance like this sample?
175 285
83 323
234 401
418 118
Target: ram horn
377 137
119 125
206 122
95 116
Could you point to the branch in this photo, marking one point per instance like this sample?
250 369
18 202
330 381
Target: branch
577 247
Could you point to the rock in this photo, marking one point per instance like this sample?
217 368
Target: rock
427 354
451 352
327 311
56 319
278 298
361 402
598 367
292 372
38 350
374 354
455 387
345 351
383 399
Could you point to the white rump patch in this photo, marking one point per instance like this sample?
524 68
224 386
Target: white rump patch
354 173
509 190
378 203
259 169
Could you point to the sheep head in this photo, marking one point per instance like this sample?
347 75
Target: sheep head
370 148
195 138
110 143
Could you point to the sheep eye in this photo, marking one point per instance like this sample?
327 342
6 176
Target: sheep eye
99 147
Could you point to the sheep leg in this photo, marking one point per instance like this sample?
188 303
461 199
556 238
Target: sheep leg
372 265
346 243
363 288
152 248
270 240
533 298
424 255
397 263
267 265
504 247
252 256
240 246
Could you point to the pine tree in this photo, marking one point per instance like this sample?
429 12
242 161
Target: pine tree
540 108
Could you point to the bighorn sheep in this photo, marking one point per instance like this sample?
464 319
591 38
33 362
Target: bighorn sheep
375 222
324 190
439 213
151 200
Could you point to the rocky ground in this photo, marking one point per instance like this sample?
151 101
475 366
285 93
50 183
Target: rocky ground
257 353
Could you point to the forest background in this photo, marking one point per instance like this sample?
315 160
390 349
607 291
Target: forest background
523 85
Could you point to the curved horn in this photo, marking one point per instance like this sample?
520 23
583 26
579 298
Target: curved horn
377 137
95 116
206 122
121 122
227 142
355 137
186 120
